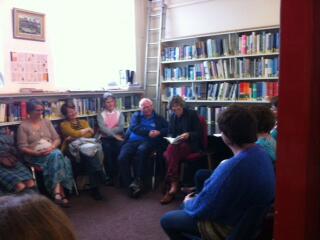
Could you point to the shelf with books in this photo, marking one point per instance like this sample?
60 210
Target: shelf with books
13 107
219 69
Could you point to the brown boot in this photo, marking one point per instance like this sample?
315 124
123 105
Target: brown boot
174 188
167 198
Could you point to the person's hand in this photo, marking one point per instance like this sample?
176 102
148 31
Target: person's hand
47 151
189 196
184 136
69 139
119 138
154 133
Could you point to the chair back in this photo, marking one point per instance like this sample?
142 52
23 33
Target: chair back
204 128
250 224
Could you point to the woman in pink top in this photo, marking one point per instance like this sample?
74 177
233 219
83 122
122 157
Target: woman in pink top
111 124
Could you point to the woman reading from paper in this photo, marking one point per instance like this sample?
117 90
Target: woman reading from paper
184 125
38 141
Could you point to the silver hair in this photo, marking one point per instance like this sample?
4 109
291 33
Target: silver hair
143 100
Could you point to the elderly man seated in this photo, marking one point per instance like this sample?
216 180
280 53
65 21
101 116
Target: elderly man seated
144 135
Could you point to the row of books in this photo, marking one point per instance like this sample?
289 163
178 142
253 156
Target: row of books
211 115
227 68
225 91
17 111
228 45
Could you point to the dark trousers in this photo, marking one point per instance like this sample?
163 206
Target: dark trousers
135 153
177 224
200 177
92 166
174 155
111 149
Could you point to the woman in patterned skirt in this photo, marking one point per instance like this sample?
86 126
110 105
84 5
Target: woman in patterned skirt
39 141
14 176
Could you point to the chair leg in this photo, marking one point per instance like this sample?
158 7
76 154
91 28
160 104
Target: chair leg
75 187
154 173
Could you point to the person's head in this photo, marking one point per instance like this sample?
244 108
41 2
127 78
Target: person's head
274 105
32 216
146 107
109 101
68 110
238 126
176 105
35 108
265 118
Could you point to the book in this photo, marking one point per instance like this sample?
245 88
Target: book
172 140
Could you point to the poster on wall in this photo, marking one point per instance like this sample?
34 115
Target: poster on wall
29 67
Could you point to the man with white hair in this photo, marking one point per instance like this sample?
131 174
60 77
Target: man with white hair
144 135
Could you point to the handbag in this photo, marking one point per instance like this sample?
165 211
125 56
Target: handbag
87 146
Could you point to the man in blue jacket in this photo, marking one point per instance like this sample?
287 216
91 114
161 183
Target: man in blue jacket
144 135
242 183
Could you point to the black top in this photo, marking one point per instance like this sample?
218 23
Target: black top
189 122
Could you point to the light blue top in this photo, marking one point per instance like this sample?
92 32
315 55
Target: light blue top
269 144
274 133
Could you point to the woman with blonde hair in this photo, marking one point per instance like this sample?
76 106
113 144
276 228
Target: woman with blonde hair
32 216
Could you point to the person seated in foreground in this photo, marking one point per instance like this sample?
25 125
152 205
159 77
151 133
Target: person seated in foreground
274 108
38 140
14 176
144 135
32 216
266 122
73 128
111 125
184 123
237 184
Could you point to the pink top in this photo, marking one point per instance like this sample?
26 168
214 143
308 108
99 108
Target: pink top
111 119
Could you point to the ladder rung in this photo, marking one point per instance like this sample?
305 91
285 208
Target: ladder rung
152 71
153 57
155 15
151 85
153 43
154 29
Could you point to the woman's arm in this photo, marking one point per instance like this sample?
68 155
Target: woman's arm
119 130
67 130
102 127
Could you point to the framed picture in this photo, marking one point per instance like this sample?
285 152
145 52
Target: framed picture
28 25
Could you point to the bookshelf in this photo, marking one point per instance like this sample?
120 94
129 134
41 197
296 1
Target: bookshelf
88 104
212 71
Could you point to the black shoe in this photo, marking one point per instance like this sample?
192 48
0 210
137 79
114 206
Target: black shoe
96 194
108 181
135 188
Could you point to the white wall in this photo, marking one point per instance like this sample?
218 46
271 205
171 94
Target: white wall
87 42
192 17
9 44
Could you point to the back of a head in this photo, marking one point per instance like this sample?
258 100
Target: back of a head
32 216
265 118
238 124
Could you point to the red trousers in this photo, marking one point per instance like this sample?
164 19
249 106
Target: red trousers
174 154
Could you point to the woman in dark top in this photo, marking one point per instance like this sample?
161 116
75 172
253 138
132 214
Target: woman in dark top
184 123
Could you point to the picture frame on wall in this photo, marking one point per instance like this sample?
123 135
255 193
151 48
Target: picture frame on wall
28 25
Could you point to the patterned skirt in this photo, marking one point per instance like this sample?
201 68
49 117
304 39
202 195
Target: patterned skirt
10 177
56 169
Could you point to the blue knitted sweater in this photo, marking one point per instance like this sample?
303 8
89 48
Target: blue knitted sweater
242 181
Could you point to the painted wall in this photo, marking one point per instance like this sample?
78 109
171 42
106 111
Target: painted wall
9 44
87 42
192 17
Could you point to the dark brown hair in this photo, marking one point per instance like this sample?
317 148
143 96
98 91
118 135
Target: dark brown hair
265 118
176 100
238 124
65 106
32 216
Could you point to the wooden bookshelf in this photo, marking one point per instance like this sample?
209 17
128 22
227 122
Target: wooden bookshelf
211 71
88 104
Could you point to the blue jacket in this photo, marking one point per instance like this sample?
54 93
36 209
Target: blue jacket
139 129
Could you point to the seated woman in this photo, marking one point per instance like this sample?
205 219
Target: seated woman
73 128
111 124
38 141
14 176
32 216
185 124
266 121
240 183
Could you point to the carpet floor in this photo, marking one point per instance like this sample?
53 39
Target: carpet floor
119 217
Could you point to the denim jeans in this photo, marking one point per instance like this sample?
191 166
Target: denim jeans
178 224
